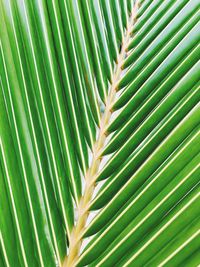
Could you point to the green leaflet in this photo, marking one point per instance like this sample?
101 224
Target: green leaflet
169 17
7 234
63 63
97 57
115 9
193 259
188 82
56 93
147 106
2 259
101 36
144 5
185 46
82 46
180 247
81 90
147 16
104 216
14 218
176 220
47 120
137 158
36 186
148 20
110 26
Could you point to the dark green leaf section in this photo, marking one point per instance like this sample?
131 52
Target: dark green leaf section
193 259
2 259
180 247
8 240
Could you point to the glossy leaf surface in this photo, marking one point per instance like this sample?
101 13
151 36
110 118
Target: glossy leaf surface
99 133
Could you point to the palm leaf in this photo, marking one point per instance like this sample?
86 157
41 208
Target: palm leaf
99 133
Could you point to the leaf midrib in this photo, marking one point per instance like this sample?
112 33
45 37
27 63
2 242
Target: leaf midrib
75 239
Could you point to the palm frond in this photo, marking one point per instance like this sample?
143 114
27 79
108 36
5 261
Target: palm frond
99 133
